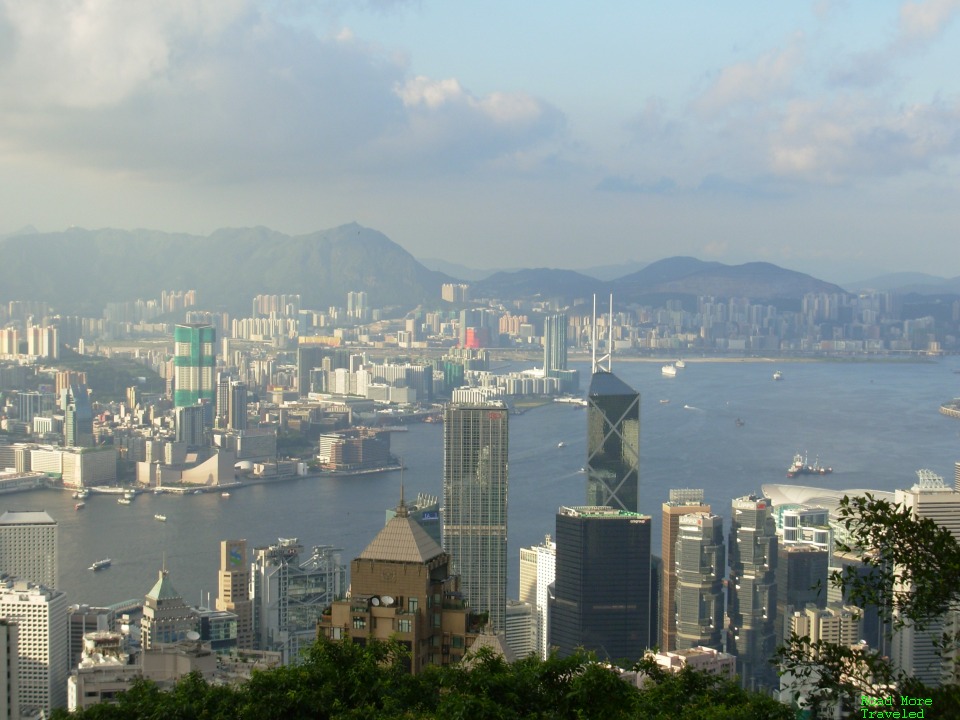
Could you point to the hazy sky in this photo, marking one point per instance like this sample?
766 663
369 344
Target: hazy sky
821 136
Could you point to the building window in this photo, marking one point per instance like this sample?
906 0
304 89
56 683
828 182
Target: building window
457 641
359 623
413 604
404 626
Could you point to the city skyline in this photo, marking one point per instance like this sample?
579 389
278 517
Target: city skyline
818 137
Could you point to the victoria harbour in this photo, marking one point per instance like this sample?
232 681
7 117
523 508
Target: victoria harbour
875 423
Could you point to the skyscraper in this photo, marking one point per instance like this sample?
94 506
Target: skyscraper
913 650
538 570
475 448
28 546
752 605
682 502
77 416
194 361
602 594
166 616
700 568
555 352
41 617
613 443
233 580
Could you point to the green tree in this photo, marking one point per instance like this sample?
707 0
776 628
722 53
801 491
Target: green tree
914 579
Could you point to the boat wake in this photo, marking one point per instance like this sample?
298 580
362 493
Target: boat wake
691 407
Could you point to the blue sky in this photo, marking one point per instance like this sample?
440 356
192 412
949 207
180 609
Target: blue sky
820 136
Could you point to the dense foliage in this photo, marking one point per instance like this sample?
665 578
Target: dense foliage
344 680
914 579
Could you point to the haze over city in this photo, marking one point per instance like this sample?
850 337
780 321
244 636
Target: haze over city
821 137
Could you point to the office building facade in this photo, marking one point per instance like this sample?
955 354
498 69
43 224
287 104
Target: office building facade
752 600
683 501
194 361
233 589
167 618
538 571
602 593
77 416
40 614
613 443
28 547
700 566
475 480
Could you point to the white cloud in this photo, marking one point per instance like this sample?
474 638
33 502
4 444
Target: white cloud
221 90
920 22
756 81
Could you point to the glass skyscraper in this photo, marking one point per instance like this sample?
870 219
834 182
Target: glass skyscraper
613 443
194 361
602 592
475 445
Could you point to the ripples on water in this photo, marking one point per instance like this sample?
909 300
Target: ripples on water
874 423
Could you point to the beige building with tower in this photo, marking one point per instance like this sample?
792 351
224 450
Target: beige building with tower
402 589
682 502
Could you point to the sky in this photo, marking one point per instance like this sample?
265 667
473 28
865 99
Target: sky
820 136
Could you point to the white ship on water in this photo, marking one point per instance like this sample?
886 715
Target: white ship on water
669 370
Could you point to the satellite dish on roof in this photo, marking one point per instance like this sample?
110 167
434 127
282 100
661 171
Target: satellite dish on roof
193 636
387 600
374 601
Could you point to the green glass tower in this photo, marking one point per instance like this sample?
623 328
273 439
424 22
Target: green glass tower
194 362
613 443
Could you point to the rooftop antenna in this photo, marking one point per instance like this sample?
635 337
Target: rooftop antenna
603 363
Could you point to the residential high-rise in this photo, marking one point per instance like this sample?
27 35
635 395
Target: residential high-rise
752 600
915 651
167 618
475 449
538 570
683 501
41 617
28 547
77 416
700 569
233 581
602 593
613 443
194 350
289 594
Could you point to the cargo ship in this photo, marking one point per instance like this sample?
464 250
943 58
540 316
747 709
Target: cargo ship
799 466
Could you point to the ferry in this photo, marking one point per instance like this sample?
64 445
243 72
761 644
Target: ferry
101 564
124 500
669 370
161 518
680 364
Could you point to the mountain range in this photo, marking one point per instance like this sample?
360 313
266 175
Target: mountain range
80 270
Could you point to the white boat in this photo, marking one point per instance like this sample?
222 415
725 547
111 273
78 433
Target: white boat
224 494
124 501
101 564
669 370
778 375
561 444
680 364
80 505
161 518
664 401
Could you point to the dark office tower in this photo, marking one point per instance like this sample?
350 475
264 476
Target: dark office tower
701 564
602 593
613 443
188 425
194 360
751 606
309 357
801 580
475 445
77 416
222 410
237 406
682 502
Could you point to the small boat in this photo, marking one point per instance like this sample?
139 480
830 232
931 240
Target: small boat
161 518
740 422
669 370
664 401
680 364
124 501
224 494
778 375
561 444
101 564
80 505
582 470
